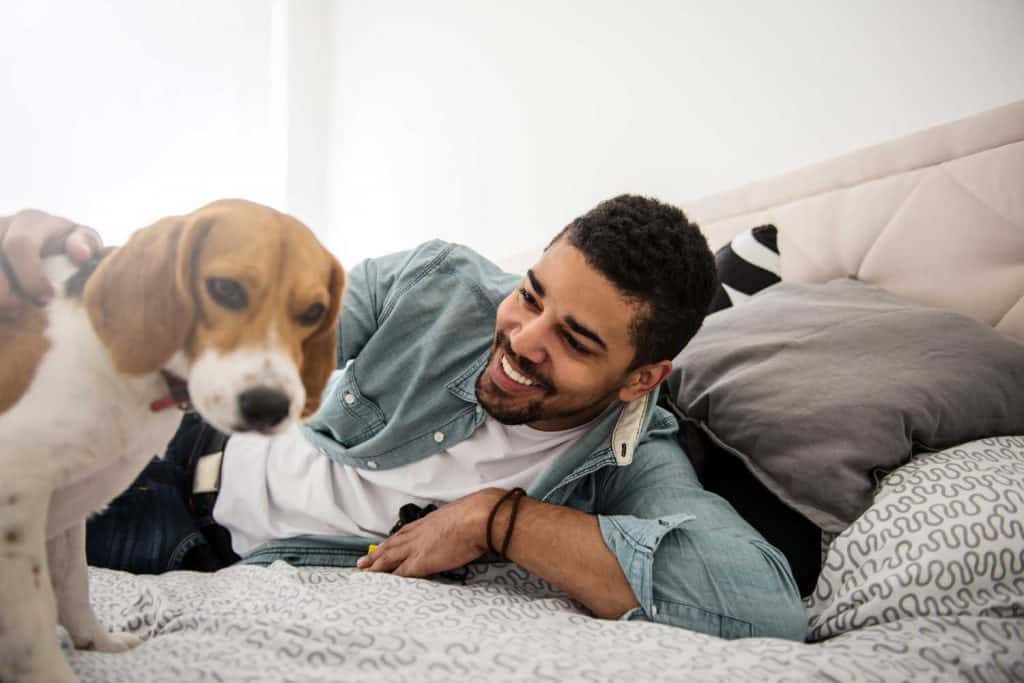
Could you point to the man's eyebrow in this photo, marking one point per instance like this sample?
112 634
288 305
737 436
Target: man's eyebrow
571 322
537 286
579 328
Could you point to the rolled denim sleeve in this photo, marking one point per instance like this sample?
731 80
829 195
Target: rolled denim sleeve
689 557
634 542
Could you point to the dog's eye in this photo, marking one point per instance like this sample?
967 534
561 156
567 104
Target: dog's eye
228 293
312 315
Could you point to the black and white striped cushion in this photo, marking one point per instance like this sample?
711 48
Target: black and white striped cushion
746 265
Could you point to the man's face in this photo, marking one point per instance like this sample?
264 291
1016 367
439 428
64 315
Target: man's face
562 347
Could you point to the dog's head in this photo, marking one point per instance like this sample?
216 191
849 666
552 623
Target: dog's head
239 300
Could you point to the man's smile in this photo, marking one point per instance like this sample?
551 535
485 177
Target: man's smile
512 381
506 365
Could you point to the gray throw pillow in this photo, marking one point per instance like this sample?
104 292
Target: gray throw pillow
822 389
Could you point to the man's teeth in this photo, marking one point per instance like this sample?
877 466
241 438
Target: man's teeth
510 371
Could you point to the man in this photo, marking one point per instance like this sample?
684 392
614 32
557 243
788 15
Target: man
460 383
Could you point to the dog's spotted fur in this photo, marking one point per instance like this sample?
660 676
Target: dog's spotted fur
77 379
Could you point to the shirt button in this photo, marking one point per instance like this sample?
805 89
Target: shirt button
372 464
350 399
438 437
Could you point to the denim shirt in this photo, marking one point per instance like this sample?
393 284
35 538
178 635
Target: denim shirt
415 335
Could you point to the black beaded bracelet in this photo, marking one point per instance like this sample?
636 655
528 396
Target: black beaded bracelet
516 493
512 522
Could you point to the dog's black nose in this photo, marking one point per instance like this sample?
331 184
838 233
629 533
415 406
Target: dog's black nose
262 407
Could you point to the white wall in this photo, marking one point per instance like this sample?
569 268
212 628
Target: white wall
383 124
117 112
494 124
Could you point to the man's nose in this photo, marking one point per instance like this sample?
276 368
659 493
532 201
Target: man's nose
528 341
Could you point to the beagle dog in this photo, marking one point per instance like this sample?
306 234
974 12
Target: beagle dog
233 308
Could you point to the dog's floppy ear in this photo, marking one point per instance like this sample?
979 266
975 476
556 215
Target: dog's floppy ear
141 300
320 350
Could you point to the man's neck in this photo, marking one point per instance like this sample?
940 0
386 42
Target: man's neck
563 423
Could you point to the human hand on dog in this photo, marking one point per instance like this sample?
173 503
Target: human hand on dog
450 537
25 239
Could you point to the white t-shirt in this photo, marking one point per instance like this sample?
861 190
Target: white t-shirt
282 486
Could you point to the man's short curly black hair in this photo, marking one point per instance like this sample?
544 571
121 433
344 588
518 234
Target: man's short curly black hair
656 258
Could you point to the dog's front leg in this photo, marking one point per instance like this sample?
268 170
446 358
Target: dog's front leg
28 623
70 576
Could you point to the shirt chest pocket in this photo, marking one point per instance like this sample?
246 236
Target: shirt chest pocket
346 415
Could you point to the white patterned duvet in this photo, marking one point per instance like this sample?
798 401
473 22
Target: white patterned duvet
918 589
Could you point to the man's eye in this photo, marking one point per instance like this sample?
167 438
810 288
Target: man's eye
575 345
527 297
227 292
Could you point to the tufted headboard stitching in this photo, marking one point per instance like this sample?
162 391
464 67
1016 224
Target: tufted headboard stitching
936 217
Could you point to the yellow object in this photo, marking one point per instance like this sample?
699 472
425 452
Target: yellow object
371 548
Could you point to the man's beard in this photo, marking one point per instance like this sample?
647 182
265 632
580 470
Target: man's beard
496 402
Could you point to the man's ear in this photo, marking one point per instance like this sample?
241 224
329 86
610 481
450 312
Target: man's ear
644 379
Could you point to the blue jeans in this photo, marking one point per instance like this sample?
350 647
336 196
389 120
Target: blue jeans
153 527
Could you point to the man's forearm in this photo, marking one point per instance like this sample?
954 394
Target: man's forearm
563 545
566 547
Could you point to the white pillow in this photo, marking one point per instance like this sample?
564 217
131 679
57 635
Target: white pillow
944 537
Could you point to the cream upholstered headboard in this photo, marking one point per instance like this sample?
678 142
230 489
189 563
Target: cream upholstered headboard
936 217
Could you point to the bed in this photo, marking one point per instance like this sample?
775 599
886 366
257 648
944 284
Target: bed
922 575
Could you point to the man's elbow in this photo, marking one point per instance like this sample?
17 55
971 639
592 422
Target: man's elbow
615 606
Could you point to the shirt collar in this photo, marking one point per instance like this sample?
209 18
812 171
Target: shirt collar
464 386
630 423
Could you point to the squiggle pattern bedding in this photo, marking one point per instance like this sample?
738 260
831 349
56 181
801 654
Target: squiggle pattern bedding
281 623
944 537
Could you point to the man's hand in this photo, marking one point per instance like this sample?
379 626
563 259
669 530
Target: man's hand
25 239
563 545
450 537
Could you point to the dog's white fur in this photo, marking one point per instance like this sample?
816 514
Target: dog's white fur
79 435
217 378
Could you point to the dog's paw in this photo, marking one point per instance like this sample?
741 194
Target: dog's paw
111 642
121 641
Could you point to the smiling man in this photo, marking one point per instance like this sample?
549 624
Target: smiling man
524 408
560 385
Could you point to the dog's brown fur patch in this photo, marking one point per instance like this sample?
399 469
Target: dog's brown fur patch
22 338
23 343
